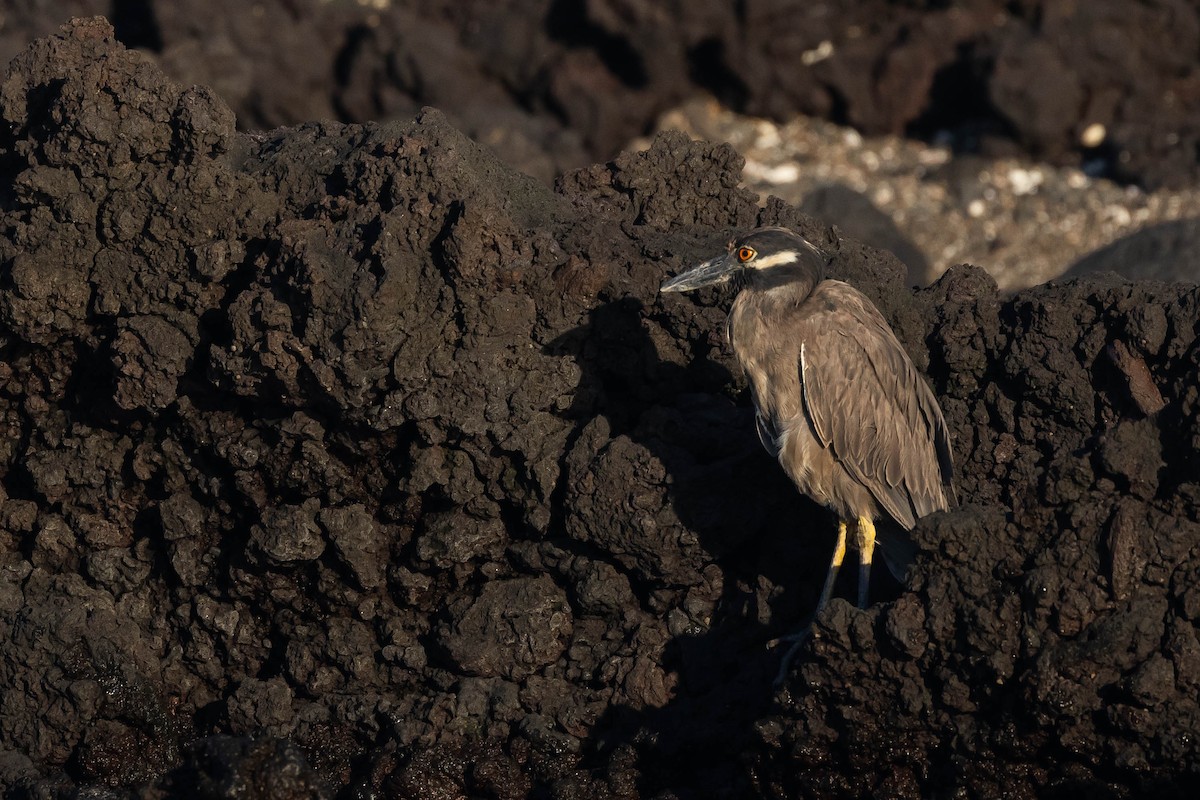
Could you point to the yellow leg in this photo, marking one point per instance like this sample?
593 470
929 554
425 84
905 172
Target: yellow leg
839 553
797 639
866 548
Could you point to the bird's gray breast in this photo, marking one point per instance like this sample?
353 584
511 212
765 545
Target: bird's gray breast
769 355
771 333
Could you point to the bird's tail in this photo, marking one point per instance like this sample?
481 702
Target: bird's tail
897 546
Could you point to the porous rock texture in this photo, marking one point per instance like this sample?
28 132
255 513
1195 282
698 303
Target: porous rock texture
344 460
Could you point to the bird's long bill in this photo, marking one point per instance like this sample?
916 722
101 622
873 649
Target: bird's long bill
711 272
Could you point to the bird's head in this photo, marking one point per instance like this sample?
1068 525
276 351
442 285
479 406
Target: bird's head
764 256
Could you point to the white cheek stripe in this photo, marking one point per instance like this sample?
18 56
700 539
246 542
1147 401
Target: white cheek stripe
775 259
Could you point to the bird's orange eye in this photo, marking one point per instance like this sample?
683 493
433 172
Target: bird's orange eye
746 253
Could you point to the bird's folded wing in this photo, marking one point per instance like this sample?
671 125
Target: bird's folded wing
868 403
768 434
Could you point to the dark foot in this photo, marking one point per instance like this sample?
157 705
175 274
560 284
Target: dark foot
796 641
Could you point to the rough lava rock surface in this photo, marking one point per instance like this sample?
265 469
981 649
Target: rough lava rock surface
344 459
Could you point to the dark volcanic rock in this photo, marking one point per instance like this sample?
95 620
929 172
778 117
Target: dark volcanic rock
346 459
859 218
1169 251
515 628
552 85
252 768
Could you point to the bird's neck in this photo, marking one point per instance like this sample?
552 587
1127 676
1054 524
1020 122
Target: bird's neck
786 278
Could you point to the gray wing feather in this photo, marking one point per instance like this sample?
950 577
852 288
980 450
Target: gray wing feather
868 403
767 434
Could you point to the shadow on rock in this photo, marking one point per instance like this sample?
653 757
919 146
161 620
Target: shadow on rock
859 218
1166 252
713 536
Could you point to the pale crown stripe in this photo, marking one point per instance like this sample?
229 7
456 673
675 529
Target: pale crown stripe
775 259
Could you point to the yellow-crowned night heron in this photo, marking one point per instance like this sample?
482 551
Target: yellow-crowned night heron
837 399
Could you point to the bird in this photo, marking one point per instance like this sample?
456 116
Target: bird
837 400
